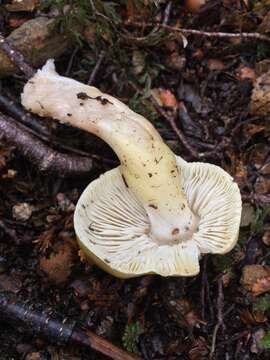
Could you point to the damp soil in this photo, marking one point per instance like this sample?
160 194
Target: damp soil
204 90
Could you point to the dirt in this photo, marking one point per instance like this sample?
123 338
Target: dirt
206 88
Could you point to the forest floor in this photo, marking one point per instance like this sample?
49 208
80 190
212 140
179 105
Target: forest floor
209 101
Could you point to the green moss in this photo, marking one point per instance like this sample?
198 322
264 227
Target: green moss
131 337
257 224
265 342
262 303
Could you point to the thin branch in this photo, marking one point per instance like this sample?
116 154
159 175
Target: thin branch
93 75
220 323
16 57
256 198
203 286
70 63
11 107
55 328
167 13
44 158
215 34
178 132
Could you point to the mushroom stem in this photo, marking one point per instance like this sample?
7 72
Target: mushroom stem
148 166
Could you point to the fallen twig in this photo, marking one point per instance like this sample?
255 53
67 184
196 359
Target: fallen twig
220 322
8 105
215 34
96 69
70 63
54 328
178 132
16 57
255 198
45 158
205 293
167 13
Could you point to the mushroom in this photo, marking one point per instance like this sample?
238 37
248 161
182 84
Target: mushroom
155 213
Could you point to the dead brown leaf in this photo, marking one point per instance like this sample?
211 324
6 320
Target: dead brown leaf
245 73
199 349
10 283
58 265
265 170
256 278
167 98
252 129
194 5
252 318
22 5
260 98
45 239
258 155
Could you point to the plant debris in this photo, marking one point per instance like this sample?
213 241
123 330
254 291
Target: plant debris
199 70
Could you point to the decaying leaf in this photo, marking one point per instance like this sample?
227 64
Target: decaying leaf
252 129
164 97
252 318
59 263
138 62
245 73
258 155
194 5
266 238
5 156
262 185
256 278
264 26
260 99
45 239
265 170
22 5
167 98
199 349
10 283
247 215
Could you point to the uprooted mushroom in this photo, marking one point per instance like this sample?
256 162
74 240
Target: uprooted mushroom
155 213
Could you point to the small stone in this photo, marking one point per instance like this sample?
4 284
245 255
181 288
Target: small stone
22 211
247 215
215 65
176 61
260 98
10 174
